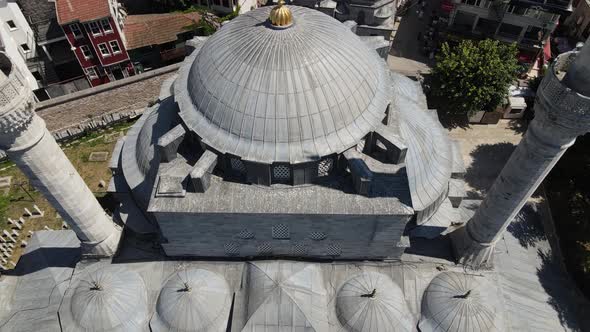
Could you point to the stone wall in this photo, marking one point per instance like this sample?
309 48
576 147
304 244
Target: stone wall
94 106
309 236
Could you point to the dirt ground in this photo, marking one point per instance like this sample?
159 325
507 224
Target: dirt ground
22 195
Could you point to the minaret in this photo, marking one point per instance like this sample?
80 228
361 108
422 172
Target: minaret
562 112
29 144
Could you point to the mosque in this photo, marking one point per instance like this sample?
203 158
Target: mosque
286 180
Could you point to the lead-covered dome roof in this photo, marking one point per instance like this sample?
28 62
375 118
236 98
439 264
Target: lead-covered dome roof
192 300
111 298
372 302
459 302
283 95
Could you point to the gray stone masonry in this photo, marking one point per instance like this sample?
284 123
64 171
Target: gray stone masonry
169 143
28 143
561 114
201 173
395 145
95 102
361 174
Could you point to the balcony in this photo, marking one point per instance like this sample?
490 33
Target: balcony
562 7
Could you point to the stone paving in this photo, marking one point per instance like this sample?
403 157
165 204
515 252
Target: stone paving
485 150
405 56
535 286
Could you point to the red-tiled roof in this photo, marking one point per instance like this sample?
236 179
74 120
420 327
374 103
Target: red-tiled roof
156 29
81 10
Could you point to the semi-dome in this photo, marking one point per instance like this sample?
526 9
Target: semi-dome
192 300
458 302
291 95
109 299
370 302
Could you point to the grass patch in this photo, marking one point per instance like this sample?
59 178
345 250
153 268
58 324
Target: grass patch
22 195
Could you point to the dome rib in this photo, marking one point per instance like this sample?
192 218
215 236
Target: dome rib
283 95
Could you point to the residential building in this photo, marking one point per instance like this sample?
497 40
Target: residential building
157 39
92 30
17 39
525 22
373 18
51 62
228 6
578 22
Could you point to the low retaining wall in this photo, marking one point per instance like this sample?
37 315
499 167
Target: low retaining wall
71 116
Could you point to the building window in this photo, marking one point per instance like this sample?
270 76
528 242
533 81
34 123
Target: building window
106 25
25 48
472 2
91 72
75 28
325 167
281 173
86 52
509 31
94 28
281 232
104 50
534 33
11 25
115 46
237 166
317 235
464 20
37 75
334 249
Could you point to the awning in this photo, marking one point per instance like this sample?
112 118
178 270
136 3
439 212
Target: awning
547 50
447 6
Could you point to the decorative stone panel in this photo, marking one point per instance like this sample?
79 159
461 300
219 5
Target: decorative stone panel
245 234
280 231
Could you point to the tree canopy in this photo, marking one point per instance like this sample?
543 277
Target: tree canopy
473 76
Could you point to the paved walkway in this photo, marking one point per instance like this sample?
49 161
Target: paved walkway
405 54
538 294
485 150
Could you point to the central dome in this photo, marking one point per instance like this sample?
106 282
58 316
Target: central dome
294 94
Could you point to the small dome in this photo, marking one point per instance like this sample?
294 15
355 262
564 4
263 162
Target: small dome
192 300
283 95
286 296
458 302
110 299
372 302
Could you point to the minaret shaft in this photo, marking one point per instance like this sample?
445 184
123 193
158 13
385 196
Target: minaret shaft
561 114
28 143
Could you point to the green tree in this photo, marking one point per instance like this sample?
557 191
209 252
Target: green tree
474 76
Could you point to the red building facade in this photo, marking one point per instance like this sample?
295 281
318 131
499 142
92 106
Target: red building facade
95 39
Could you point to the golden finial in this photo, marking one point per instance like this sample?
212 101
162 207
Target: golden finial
280 15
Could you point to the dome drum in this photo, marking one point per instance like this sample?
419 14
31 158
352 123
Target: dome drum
279 173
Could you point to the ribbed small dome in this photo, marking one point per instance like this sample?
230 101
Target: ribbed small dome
110 299
192 300
372 302
458 302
